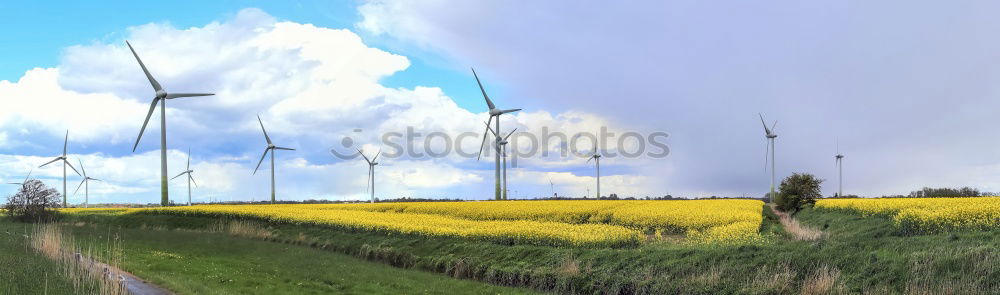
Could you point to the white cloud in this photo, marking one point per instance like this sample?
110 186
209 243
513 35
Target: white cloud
311 86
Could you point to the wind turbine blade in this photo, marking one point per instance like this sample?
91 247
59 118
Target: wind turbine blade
78 187
95 179
591 158
192 180
483 143
775 124
766 130
369 181
15 183
491 129
189 159
509 134
178 175
65 142
49 162
156 85
283 148
363 155
177 95
376 156
71 167
487 97
767 148
261 161
509 111
268 138
29 174
81 168
152 107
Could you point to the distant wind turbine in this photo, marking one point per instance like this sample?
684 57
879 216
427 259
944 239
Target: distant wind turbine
770 135
552 187
270 148
190 178
161 96
501 149
371 172
85 183
840 172
597 158
25 182
65 163
494 112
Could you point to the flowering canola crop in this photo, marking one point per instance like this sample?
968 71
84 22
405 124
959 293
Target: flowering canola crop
927 214
556 223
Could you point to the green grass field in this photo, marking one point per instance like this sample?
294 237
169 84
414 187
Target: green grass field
190 262
23 271
859 255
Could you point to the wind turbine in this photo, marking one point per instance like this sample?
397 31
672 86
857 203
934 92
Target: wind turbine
597 158
494 112
371 172
161 97
840 172
552 188
270 148
65 163
189 177
85 183
770 135
501 147
25 182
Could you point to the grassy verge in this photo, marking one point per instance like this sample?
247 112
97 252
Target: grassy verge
859 255
194 262
23 270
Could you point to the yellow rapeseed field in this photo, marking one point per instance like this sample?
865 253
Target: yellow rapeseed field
927 214
600 223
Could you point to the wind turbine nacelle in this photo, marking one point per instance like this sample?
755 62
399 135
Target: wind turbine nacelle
772 135
495 112
161 93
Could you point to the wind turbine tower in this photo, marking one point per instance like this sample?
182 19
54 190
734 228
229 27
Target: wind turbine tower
270 148
190 178
65 163
161 97
770 136
371 172
85 183
494 112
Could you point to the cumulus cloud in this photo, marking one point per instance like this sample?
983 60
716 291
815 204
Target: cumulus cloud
311 86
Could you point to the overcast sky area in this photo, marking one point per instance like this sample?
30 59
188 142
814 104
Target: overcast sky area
907 88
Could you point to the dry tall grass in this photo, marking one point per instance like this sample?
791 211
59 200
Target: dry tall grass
823 280
798 231
244 228
86 275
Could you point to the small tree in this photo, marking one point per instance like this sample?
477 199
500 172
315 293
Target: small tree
33 202
798 190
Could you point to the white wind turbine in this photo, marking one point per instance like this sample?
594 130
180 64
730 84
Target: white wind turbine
85 183
494 112
552 188
840 172
270 148
161 97
770 135
65 163
25 182
371 172
501 149
597 158
190 178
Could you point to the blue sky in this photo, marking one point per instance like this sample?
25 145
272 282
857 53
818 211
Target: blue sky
892 81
